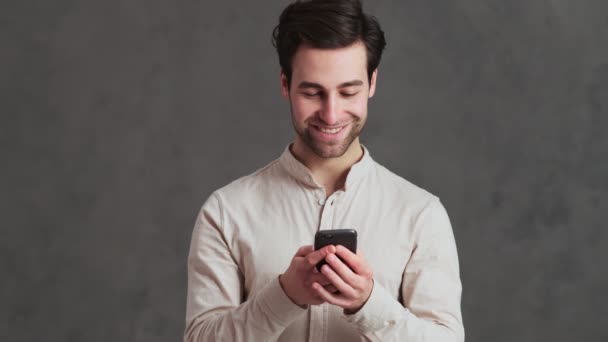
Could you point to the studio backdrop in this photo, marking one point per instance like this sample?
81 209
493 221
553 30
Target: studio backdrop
119 118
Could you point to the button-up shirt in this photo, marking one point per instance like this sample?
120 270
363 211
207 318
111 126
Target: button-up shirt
247 233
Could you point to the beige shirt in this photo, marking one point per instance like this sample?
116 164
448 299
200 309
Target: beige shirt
247 233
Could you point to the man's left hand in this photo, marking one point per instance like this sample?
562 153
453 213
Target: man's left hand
351 276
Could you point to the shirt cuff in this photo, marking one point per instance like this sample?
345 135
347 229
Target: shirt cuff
380 310
276 303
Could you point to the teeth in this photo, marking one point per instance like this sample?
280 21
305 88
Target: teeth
330 130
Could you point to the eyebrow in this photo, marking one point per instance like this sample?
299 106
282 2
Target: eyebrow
306 84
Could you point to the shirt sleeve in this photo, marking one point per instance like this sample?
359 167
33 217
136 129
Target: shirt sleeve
431 289
215 308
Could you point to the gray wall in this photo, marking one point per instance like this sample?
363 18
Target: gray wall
118 118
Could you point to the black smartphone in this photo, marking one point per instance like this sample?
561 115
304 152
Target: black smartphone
344 237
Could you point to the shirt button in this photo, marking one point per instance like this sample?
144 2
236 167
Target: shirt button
321 201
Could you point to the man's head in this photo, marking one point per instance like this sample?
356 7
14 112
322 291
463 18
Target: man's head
326 24
329 51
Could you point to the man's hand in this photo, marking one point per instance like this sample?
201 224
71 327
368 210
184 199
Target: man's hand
352 278
301 274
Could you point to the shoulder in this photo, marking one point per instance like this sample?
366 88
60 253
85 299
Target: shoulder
252 185
401 185
400 190
418 206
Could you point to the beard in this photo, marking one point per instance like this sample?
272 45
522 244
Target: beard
334 149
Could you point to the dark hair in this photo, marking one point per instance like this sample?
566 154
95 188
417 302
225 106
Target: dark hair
326 24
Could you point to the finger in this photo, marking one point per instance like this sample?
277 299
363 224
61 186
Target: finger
304 251
335 299
331 289
342 270
318 255
355 262
319 278
338 282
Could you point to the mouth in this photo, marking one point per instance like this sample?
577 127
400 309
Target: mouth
329 130
329 134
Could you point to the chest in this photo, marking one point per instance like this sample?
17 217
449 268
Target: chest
265 246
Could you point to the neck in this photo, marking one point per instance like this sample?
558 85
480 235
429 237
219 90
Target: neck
329 172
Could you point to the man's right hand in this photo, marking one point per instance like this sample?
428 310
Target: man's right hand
301 274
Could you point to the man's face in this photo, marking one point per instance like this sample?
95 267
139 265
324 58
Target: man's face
328 97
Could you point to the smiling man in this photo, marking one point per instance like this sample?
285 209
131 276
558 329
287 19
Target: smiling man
329 113
328 103
251 268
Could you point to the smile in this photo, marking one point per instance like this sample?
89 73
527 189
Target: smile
330 130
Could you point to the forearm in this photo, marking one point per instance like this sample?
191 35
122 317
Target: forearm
215 308
261 318
383 318
429 309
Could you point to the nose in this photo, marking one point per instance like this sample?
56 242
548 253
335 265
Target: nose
329 112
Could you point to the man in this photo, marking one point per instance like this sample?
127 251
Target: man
251 269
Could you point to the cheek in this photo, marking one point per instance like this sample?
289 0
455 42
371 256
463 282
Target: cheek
358 106
303 108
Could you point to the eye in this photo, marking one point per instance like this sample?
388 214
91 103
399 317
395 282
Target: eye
311 94
349 94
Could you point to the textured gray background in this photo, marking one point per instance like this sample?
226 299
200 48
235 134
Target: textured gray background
118 118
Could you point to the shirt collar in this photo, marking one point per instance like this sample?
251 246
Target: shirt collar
302 174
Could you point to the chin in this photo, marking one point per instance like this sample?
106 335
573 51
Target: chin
328 151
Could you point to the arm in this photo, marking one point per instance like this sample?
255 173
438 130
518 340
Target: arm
215 310
431 289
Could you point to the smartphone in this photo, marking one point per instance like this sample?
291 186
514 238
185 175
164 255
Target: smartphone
344 237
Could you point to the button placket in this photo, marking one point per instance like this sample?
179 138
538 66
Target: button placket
315 331
328 211
326 217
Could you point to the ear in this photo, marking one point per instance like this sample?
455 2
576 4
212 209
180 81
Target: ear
284 86
372 83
